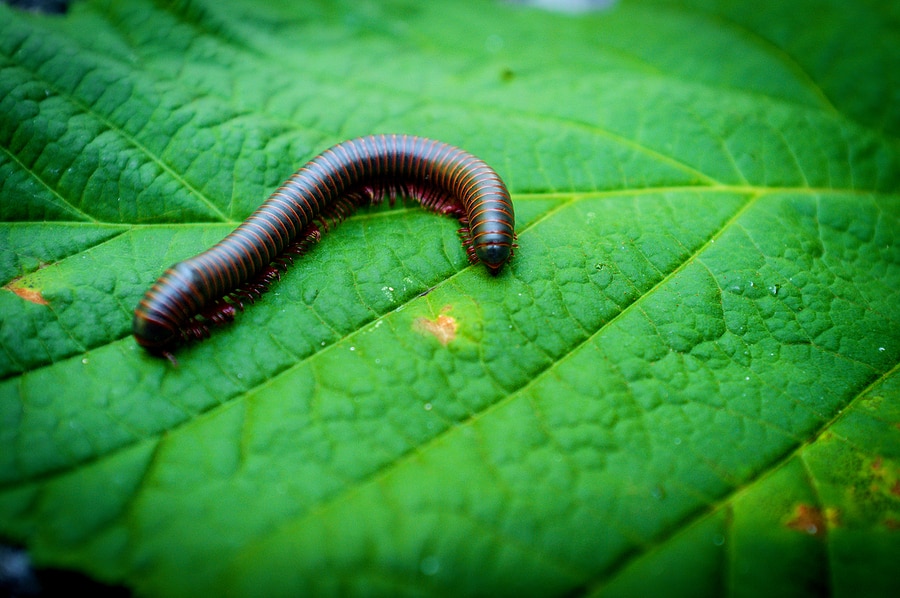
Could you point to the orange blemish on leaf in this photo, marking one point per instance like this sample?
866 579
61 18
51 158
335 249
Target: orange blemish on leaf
26 293
443 327
809 520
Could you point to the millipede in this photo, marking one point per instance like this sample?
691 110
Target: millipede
208 289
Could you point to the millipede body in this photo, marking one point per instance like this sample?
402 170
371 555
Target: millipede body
207 289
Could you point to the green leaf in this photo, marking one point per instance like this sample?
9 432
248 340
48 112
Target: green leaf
686 382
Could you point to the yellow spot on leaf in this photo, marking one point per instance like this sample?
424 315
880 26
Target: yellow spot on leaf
443 327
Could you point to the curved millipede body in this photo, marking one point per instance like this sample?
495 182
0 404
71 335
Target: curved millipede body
205 290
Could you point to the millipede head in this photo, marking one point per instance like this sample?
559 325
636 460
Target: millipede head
494 256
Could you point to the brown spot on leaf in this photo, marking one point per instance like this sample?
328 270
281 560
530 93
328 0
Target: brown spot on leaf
442 328
809 520
26 293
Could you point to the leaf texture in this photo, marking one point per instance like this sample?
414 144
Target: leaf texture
686 381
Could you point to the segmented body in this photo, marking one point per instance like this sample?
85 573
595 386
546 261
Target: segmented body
206 290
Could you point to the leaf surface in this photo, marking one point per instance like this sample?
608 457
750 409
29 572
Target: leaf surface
686 381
